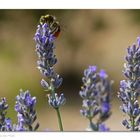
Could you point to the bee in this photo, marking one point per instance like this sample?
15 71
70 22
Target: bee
52 23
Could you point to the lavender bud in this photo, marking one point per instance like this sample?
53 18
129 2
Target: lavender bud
103 128
57 81
126 124
44 84
56 101
138 40
102 74
8 124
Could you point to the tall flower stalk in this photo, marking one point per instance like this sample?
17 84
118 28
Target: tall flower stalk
96 94
130 88
47 32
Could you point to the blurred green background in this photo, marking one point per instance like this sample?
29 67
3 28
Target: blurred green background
88 37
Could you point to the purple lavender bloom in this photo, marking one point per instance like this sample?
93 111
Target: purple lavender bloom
56 101
3 108
105 108
44 38
5 124
102 74
25 106
45 50
21 123
130 88
103 128
8 124
104 88
92 68
45 84
96 94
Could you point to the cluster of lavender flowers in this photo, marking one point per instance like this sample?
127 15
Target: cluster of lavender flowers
45 38
5 124
47 59
96 91
96 94
130 88
26 113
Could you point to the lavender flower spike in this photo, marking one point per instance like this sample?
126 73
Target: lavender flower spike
25 107
46 33
96 94
5 123
130 88
44 38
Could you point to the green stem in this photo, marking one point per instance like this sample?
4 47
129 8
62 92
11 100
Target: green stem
59 119
90 120
92 125
132 118
133 124
52 91
57 110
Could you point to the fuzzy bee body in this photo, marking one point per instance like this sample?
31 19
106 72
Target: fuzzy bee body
52 23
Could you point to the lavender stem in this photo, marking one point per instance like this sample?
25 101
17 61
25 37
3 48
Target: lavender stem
57 109
59 119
